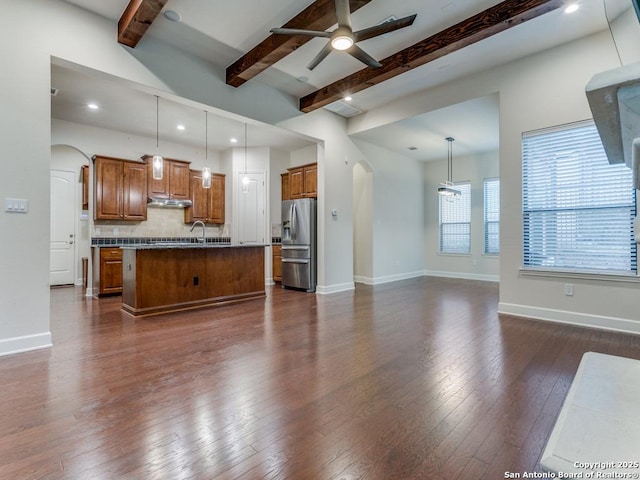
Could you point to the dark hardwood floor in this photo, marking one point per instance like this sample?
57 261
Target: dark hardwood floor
416 379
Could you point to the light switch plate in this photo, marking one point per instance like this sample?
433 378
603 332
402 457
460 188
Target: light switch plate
16 205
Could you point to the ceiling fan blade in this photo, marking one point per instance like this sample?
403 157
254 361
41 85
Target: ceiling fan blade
356 52
383 28
321 56
297 31
343 13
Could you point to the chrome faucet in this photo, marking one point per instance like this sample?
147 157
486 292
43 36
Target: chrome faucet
201 223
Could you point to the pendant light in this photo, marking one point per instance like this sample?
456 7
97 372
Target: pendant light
245 179
206 171
447 189
157 159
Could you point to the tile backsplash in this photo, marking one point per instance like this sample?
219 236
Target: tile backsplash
161 222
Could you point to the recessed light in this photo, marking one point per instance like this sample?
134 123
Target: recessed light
172 15
92 106
348 98
571 8
412 147
180 127
233 140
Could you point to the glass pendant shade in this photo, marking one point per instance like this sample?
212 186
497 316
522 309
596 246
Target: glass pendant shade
206 171
158 163
206 177
245 184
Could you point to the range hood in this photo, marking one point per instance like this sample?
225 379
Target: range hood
614 98
168 202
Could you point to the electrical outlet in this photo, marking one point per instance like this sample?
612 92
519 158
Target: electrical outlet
568 289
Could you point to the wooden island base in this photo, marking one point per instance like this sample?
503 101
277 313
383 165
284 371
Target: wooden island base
161 280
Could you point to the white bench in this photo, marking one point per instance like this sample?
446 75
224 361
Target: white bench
598 429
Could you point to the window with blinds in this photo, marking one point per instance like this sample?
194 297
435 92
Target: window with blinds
578 209
492 216
455 221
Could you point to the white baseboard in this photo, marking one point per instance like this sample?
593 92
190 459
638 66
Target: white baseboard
269 281
387 278
13 345
89 292
571 318
340 287
463 275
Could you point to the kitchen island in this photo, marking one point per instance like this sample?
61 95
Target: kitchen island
167 278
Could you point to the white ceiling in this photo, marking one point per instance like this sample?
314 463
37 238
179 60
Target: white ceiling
126 109
221 32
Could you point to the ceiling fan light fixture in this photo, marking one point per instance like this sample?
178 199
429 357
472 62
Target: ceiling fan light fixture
342 42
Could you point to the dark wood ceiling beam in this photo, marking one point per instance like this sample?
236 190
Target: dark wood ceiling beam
136 19
496 19
320 15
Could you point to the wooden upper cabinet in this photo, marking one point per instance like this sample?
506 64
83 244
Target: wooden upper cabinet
310 174
85 187
134 193
108 176
178 180
300 182
174 182
296 182
286 193
208 203
120 188
216 199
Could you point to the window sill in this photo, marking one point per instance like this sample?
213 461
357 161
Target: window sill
607 277
453 254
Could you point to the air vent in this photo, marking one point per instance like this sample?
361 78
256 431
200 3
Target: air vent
54 91
343 108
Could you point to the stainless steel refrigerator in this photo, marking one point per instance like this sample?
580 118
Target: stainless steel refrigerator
299 244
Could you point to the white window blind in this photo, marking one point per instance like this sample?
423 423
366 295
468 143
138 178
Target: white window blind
492 216
455 221
578 209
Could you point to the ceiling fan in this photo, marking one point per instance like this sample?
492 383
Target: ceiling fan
344 38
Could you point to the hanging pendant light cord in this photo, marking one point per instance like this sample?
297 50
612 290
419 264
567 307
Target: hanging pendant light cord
206 136
245 149
450 160
157 123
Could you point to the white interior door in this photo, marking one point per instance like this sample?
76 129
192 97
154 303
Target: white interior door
251 215
62 247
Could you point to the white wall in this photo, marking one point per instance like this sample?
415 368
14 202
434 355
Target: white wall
397 214
539 91
476 265
362 223
279 163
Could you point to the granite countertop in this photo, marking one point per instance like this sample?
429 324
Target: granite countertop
173 246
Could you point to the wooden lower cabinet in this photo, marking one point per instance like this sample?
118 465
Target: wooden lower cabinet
107 271
161 280
276 262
